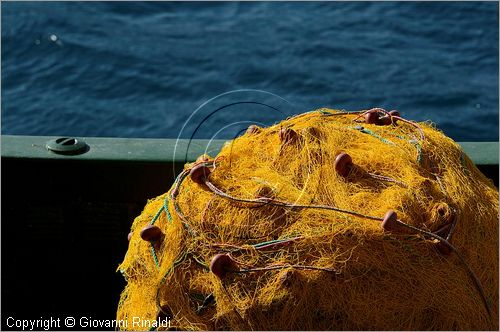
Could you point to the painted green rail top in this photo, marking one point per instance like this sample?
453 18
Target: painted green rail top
113 149
167 150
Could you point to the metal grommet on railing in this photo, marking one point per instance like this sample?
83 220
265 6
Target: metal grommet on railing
67 146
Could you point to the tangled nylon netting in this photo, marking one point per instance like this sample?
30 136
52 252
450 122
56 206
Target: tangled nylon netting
328 220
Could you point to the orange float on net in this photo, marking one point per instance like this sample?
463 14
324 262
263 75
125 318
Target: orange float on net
371 117
151 233
384 121
199 174
391 223
221 264
288 136
343 164
253 129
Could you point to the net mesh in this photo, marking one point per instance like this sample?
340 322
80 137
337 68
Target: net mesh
327 220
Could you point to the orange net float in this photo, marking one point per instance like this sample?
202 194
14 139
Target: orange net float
221 264
343 164
253 129
199 174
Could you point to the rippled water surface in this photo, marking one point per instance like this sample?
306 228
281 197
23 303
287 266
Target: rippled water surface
141 69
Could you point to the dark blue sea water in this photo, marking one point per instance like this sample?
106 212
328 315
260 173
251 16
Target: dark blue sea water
141 69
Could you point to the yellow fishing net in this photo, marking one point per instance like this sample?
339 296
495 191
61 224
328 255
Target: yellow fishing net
328 220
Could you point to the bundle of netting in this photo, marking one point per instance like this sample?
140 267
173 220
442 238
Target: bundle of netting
328 220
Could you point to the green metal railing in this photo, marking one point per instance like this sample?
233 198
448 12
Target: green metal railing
112 149
168 150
